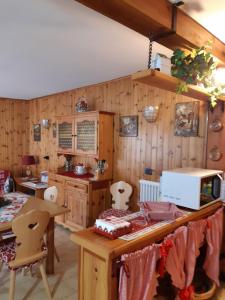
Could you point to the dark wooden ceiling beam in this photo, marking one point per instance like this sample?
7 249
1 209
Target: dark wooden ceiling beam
141 16
155 17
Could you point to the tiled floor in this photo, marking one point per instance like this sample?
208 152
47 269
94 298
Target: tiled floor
63 284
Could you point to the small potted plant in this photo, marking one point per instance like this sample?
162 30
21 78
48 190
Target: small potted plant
196 68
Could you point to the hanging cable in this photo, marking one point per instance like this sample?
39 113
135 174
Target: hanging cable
150 51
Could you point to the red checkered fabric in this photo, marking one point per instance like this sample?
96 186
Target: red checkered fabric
114 212
8 253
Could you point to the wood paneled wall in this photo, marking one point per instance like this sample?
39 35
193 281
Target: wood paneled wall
156 146
216 139
13 133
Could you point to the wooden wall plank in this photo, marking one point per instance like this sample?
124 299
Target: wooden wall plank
13 133
216 138
155 146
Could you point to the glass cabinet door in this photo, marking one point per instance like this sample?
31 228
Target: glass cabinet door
65 136
86 135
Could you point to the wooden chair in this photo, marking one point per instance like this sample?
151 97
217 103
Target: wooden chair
121 192
28 248
51 194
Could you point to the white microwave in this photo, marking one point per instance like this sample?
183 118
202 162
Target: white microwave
191 187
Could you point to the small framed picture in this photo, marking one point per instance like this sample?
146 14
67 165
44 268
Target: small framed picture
187 119
129 126
37 132
54 130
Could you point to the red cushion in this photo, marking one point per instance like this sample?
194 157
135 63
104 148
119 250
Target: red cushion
114 212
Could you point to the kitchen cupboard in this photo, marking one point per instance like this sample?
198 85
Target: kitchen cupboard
85 198
88 134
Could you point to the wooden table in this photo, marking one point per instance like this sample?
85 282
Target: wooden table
98 275
37 192
54 210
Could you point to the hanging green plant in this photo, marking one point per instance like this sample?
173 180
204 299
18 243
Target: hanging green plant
196 68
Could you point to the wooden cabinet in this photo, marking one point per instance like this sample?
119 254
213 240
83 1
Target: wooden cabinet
86 134
85 199
65 129
77 202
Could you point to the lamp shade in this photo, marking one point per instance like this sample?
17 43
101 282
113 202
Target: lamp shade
28 160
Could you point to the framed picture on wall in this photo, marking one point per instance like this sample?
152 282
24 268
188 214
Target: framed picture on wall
187 119
37 132
129 126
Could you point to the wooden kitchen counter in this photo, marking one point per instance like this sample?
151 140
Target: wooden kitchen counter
98 274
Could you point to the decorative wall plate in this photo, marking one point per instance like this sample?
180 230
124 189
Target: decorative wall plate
215 154
216 125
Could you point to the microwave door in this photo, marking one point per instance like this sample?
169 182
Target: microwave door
216 185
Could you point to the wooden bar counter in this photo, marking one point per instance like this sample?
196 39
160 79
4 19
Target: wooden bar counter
98 271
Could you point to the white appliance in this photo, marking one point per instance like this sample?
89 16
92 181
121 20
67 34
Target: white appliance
191 187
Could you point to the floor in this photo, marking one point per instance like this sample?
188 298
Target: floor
220 295
63 284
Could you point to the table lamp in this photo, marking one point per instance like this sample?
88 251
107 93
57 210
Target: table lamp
28 160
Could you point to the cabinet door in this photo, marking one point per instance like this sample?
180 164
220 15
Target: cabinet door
76 201
65 127
61 197
98 204
86 132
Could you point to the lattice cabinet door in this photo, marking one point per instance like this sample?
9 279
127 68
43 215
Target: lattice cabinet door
66 135
86 135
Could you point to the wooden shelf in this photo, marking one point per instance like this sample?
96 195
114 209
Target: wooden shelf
166 82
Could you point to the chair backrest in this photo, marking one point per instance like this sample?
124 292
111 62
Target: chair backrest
121 192
51 193
29 229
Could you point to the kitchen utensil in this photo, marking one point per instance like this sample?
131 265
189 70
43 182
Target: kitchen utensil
80 170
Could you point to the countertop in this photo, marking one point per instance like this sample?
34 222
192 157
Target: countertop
73 175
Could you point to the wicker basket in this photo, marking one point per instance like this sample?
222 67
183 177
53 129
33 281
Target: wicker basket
207 295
